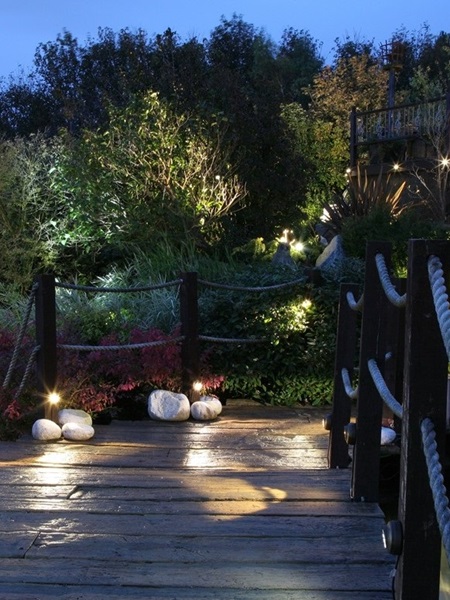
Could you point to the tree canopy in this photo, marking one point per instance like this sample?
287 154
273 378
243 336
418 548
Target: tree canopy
173 134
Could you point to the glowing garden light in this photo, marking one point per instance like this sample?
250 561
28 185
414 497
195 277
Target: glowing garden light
54 398
197 386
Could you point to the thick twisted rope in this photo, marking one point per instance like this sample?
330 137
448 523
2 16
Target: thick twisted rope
353 304
440 298
15 356
115 290
389 289
207 338
84 348
238 288
437 486
27 371
383 390
351 392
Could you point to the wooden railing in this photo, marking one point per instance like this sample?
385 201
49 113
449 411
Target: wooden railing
402 122
406 343
47 347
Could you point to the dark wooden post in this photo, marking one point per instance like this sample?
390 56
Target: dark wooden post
189 329
425 393
338 457
366 455
46 340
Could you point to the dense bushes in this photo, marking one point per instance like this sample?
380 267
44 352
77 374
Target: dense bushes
293 362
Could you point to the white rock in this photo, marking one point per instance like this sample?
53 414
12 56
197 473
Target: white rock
214 401
203 411
388 435
77 431
73 415
168 406
44 429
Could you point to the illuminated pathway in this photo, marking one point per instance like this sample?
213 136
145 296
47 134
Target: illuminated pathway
239 509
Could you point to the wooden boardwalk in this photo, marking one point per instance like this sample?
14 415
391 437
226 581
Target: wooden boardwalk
242 508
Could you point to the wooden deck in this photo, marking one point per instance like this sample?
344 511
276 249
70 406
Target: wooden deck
242 508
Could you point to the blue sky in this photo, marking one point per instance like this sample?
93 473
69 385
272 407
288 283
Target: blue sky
26 23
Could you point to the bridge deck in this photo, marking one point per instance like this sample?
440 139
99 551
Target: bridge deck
242 508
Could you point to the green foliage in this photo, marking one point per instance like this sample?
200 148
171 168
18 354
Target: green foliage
364 195
30 212
153 172
294 326
380 224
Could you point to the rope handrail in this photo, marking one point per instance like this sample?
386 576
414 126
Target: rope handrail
15 356
27 371
207 338
383 390
351 392
117 290
87 348
353 304
238 288
389 289
440 299
438 489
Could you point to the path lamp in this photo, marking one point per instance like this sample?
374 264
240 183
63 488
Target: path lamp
51 408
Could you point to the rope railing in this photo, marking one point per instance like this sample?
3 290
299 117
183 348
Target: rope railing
440 299
190 337
238 288
21 335
351 392
405 354
27 372
383 389
87 348
356 305
117 290
388 287
208 338
438 489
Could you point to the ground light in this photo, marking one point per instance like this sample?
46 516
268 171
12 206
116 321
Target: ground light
51 409
393 537
197 387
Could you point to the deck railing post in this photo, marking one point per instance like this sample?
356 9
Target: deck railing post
425 392
45 308
338 457
366 455
189 329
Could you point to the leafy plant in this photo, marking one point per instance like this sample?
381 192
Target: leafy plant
363 195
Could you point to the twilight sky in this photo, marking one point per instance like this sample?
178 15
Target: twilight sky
26 23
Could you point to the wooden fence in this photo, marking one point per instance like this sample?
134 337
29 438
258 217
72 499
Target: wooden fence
190 338
403 344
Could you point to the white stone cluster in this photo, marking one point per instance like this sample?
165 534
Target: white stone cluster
73 424
170 406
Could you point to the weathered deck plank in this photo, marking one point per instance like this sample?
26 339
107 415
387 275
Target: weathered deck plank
238 509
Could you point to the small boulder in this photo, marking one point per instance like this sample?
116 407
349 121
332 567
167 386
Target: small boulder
203 411
46 430
388 435
77 431
168 406
73 415
214 402
333 255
